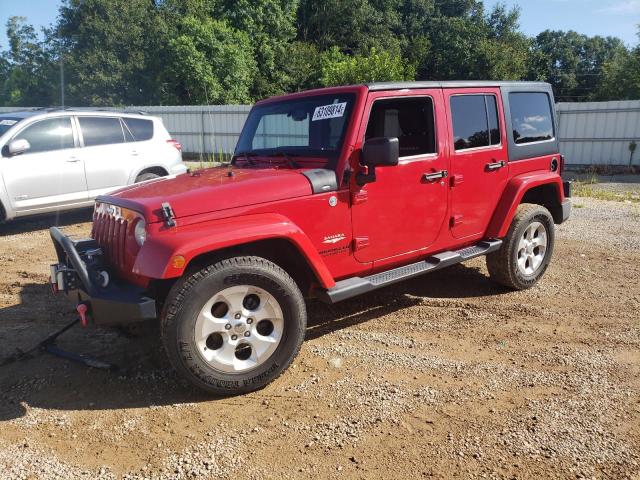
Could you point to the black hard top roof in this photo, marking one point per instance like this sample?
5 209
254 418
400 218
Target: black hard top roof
453 84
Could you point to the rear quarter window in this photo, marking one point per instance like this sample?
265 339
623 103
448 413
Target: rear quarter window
139 129
531 117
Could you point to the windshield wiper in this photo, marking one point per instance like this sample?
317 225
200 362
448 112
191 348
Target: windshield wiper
287 157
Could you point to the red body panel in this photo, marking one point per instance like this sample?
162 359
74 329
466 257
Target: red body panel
213 190
512 196
475 189
401 212
353 231
154 261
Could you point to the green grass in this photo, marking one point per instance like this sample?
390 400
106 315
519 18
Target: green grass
589 189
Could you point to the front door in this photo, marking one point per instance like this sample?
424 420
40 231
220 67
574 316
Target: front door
50 173
479 166
403 210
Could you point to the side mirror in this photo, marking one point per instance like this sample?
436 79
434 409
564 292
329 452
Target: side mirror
378 152
19 146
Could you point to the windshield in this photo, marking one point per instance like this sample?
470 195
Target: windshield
6 123
305 132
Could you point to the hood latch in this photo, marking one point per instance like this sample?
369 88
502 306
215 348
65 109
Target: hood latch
168 215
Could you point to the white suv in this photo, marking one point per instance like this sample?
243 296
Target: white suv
53 160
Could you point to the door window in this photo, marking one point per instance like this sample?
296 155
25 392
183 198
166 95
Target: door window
531 117
475 121
101 131
138 130
48 135
411 120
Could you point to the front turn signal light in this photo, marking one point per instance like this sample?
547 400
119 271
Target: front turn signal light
178 262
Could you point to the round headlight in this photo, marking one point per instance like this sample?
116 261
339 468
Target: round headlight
140 232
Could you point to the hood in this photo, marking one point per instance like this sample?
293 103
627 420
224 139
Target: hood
210 190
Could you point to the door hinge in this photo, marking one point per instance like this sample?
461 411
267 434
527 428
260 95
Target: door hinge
359 197
359 243
456 180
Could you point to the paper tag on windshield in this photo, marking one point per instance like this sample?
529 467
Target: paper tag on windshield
8 122
335 110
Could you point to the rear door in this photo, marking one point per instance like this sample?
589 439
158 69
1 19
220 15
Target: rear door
109 159
145 150
403 211
479 160
50 173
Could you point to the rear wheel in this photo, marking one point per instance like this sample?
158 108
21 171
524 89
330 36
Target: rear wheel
234 326
526 250
143 177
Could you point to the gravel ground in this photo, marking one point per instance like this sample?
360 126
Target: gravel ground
446 376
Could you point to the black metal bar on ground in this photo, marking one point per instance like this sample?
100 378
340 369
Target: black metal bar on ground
48 345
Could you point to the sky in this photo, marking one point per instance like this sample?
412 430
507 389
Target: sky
591 17
617 18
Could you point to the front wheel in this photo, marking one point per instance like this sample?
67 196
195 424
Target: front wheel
526 250
234 326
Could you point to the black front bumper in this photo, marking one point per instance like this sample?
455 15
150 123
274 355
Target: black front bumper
78 275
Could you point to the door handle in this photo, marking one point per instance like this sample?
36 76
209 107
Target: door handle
73 160
432 177
496 166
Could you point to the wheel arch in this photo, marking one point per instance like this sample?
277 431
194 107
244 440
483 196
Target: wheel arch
279 250
271 236
548 196
156 169
543 189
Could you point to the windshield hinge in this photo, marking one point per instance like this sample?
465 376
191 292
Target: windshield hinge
168 215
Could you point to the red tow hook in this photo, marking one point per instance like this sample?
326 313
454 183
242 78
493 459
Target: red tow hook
82 308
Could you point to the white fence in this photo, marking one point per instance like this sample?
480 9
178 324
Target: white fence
599 133
596 133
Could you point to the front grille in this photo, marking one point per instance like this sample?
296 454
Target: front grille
110 232
113 231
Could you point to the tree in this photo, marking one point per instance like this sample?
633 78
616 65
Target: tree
303 67
113 51
574 63
271 27
210 63
341 69
621 77
30 67
354 26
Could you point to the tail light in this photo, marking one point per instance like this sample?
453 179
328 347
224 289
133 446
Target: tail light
561 170
175 144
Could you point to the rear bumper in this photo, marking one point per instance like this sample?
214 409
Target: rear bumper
566 204
179 169
566 210
80 276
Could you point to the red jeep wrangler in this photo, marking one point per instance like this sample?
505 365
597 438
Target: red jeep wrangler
331 193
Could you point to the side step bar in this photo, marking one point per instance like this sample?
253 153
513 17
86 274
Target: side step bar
354 286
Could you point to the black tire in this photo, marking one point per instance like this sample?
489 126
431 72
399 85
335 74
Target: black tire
146 176
190 294
503 264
